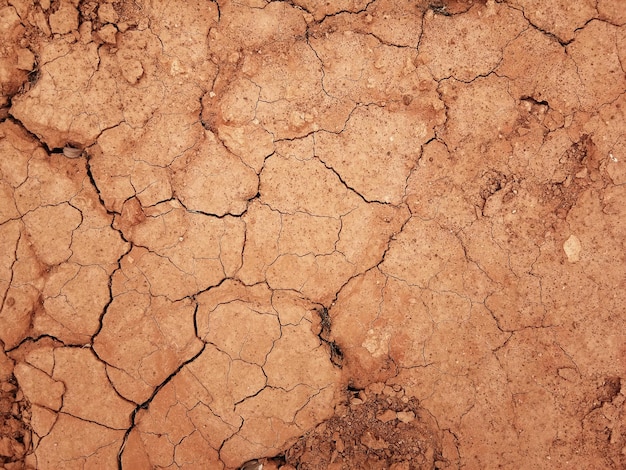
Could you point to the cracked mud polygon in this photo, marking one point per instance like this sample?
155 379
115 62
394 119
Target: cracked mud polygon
306 234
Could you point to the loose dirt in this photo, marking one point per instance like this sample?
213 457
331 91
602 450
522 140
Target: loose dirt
383 234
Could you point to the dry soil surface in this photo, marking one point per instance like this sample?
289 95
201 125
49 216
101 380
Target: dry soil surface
347 234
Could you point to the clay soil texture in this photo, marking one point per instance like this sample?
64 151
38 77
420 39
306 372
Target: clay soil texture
306 234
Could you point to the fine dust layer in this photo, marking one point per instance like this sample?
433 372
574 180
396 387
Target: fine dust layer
384 234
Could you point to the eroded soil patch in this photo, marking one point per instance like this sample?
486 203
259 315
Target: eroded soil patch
382 431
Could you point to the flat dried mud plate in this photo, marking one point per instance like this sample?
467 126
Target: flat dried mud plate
353 234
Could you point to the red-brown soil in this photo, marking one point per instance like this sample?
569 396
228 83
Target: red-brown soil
348 234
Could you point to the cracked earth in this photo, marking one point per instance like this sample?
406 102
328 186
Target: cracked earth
383 234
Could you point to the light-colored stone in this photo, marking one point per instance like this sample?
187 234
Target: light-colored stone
572 248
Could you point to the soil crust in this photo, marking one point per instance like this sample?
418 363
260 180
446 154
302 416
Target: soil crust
384 234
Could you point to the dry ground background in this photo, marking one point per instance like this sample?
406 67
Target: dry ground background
348 234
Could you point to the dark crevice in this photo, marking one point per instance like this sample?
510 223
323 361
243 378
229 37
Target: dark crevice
255 394
551 35
368 201
10 281
439 8
35 137
219 10
146 404
119 260
336 354
353 389
349 12
210 214
111 296
36 339
95 187
534 101
194 297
